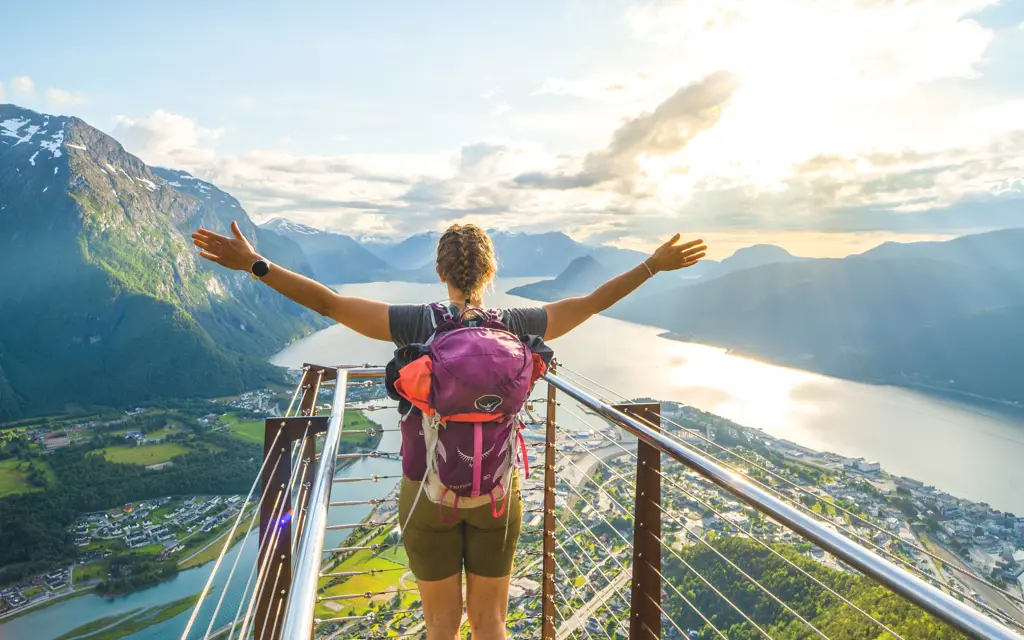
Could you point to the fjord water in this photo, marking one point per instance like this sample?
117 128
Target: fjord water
971 452
968 451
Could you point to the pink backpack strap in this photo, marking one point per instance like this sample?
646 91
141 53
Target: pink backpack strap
522 450
478 445
494 507
455 508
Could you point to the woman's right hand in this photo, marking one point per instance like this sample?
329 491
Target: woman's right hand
234 253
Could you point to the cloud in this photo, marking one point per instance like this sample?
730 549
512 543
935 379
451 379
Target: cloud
23 84
62 98
165 138
963 188
615 86
688 112
493 97
778 117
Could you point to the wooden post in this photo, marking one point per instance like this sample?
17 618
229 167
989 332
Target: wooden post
645 615
277 578
548 586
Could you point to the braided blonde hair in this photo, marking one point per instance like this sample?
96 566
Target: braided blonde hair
466 259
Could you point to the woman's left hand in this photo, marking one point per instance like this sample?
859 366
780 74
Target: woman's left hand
671 256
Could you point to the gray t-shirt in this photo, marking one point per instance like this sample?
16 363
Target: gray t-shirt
412 323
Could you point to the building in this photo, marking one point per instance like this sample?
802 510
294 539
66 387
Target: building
55 440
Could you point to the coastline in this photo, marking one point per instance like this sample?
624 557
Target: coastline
32 608
945 393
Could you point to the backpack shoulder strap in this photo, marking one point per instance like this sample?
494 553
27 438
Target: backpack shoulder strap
441 320
439 315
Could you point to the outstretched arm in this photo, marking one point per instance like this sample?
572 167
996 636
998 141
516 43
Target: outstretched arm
566 315
367 317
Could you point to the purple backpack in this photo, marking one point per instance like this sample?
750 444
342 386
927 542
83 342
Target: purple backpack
466 386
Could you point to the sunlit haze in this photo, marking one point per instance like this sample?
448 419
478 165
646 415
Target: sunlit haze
824 127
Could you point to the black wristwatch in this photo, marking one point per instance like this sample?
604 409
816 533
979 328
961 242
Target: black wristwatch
259 269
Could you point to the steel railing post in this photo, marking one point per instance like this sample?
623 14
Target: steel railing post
645 596
548 585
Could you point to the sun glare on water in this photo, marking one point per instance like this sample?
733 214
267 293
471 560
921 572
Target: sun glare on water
739 388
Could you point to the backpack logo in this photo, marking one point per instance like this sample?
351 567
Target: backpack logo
488 403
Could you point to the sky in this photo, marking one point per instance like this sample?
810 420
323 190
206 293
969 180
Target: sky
825 126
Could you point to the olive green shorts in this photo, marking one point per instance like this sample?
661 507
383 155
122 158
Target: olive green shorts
476 540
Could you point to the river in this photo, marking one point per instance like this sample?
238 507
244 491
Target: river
971 452
62 617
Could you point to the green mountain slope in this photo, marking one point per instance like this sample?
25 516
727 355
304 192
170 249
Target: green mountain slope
103 299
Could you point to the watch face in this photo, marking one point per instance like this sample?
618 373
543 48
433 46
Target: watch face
260 268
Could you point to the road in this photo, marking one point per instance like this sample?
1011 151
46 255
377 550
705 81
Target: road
992 597
585 613
582 466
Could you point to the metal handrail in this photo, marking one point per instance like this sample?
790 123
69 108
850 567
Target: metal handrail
933 600
299 610
298 614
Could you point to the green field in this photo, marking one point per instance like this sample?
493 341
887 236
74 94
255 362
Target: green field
357 421
34 591
390 578
92 571
14 480
144 455
159 434
396 555
253 430
247 430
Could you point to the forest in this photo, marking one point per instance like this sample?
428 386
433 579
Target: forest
34 526
811 601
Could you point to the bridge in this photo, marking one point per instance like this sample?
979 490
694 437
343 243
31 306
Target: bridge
635 525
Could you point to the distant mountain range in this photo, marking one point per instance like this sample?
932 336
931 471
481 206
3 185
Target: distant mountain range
340 259
104 300
944 316
335 258
585 274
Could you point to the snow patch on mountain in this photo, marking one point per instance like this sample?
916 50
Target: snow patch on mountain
284 225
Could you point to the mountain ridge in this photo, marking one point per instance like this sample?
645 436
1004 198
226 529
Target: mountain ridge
109 284
519 253
334 258
908 317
